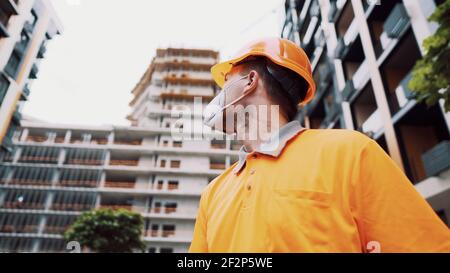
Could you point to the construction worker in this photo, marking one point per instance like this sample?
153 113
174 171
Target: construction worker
303 190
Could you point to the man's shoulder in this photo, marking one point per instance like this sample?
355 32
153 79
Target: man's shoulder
332 138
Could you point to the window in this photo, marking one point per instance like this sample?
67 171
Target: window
173 185
175 164
13 64
168 230
160 184
163 163
170 207
177 144
6 11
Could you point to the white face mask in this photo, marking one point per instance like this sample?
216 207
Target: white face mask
213 113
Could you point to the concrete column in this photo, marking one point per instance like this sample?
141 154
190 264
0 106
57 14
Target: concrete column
377 83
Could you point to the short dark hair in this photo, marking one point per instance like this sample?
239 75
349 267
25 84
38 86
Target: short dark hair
287 102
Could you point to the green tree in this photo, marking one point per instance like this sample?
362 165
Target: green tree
431 75
107 230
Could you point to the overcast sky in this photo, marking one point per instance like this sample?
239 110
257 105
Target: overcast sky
90 70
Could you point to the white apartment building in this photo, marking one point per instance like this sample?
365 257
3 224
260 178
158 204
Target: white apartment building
55 172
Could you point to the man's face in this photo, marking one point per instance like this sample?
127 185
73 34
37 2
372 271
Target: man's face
234 85
234 88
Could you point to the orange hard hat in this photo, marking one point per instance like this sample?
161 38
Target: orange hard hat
281 52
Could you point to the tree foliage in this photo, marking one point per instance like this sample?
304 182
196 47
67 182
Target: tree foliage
431 75
107 230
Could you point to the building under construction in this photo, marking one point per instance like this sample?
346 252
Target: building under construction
55 172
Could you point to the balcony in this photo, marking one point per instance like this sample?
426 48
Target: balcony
55 229
25 93
38 159
117 207
70 207
333 12
217 166
78 183
423 137
404 94
23 205
396 22
396 68
28 27
366 118
437 159
348 90
8 8
42 51
19 228
82 161
119 162
30 182
332 110
341 49
21 47
136 142
218 144
116 184
34 72
17 117
325 74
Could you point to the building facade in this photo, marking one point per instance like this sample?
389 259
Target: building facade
362 53
56 172
25 28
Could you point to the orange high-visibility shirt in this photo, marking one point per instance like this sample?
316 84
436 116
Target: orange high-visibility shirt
322 191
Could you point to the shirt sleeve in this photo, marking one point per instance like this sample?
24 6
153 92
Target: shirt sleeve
199 243
391 215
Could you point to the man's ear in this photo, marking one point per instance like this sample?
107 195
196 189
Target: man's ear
252 83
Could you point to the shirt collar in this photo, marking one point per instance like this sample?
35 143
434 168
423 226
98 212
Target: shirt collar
274 146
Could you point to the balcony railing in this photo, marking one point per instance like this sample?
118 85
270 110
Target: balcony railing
126 185
55 229
332 14
70 207
118 162
37 139
78 184
42 51
437 159
404 94
177 233
76 161
341 49
19 229
396 22
218 145
39 159
34 72
117 207
23 205
30 182
348 91
130 142
217 166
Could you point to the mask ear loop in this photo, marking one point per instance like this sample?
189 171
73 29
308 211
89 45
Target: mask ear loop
239 98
